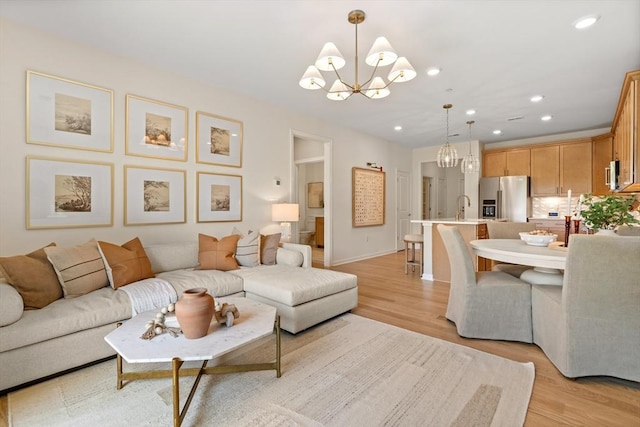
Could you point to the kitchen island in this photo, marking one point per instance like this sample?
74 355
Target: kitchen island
436 260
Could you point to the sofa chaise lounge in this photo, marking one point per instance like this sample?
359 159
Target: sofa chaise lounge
69 332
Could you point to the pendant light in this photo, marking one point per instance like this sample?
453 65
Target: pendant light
447 154
470 163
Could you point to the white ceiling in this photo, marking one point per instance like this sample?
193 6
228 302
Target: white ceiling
494 55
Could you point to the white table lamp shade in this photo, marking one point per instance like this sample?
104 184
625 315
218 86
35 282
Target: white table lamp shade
285 212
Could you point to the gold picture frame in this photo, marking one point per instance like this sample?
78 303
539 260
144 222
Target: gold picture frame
156 129
154 195
368 197
218 140
64 193
65 113
315 195
219 197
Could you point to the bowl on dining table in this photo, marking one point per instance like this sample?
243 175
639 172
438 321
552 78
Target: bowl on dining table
538 237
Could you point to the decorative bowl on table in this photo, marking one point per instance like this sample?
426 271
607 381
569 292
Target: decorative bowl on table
538 237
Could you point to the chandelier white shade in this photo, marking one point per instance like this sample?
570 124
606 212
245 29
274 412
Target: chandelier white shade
381 54
470 163
447 154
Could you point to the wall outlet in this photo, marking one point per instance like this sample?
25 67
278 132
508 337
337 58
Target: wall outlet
277 181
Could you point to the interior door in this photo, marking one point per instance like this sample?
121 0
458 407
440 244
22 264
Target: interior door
426 197
441 192
403 206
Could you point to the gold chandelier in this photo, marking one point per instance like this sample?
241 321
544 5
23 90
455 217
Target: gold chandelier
380 55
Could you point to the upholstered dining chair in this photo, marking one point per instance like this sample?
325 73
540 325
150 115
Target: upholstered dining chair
509 230
628 230
487 304
591 325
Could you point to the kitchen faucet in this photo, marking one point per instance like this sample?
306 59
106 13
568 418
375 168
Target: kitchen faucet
461 208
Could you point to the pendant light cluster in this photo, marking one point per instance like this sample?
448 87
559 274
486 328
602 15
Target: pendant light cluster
447 154
380 55
470 163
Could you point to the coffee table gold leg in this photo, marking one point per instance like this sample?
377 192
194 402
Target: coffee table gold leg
278 349
175 365
119 369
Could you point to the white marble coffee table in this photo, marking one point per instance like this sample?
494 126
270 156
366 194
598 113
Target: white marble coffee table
256 321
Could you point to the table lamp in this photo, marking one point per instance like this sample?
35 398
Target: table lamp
285 214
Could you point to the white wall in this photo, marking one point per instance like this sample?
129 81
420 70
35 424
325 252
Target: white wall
266 149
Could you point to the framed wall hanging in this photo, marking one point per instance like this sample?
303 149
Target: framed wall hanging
69 114
368 197
68 193
218 140
315 196
219 197
155 129
154 196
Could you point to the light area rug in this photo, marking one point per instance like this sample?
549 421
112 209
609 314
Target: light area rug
350 371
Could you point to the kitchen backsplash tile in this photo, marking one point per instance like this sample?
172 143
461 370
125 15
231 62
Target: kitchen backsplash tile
542 206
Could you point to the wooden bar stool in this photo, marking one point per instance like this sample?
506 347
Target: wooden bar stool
410 242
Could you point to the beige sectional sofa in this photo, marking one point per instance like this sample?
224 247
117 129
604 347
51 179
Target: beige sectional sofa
69 332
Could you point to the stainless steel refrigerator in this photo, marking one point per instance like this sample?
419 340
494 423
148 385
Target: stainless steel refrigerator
505 197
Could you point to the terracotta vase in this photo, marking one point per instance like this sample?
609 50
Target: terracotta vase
194 312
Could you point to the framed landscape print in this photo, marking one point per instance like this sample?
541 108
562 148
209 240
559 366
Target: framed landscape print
155 129
69 114
68 193
218 140
154 196
368 197
315 196
219 197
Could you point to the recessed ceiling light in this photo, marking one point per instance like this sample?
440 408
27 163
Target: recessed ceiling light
545 118
471 112
536 98
433 71
585 22
497 132
398 128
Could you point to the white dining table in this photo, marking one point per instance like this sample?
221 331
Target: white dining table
517 251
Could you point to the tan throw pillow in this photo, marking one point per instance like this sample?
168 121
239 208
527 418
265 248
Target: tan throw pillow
125 264
33 277
269 248
248 251
214 254
79 268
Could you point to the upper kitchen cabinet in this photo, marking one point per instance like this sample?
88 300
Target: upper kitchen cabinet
601 159
626 133
557 168
506 162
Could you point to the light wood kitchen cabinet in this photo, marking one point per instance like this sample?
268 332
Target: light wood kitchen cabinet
506 162
557 168
626 133
602 154
440 258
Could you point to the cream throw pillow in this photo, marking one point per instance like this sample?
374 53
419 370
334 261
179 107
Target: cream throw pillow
248 251
79 268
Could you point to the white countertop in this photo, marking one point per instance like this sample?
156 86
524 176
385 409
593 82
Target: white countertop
470 221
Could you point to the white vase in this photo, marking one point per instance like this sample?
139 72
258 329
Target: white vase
605 232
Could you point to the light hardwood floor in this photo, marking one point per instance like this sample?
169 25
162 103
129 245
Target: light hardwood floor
388 295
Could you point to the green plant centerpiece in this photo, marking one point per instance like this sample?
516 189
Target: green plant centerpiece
607 212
